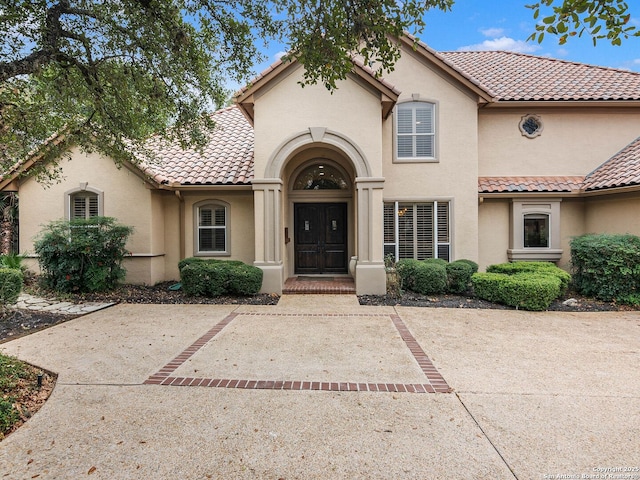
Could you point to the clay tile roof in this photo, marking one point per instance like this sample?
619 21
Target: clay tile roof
529 184
511 76
621 170
226 159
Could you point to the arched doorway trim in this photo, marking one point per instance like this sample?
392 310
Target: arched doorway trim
316 135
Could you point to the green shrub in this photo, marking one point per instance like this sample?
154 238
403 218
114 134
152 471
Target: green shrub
471 263
458 276
406 269
546 268
605 266
526 285
436 261
191 260
83 255
211 278
10 285
528 291
245 279
430 278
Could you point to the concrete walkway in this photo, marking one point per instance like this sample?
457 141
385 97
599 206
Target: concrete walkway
320 387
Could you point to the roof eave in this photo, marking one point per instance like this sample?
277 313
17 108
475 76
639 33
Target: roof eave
564 103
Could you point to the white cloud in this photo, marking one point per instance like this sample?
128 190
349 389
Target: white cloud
562 52
492 32
502 43
279 55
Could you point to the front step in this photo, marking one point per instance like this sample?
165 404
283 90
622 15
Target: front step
319 285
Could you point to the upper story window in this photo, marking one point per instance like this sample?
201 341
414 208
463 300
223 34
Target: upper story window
211 228
84 202
415 131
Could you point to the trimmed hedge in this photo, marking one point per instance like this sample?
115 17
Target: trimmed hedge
211 278
526 285
435 275
458 276
533 267
10 285
607 267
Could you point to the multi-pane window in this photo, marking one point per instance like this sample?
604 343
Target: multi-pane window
84 205
415 130
212 228
417 230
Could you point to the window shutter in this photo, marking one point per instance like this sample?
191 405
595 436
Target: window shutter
424 230
405 230
443 222
79 208
93 206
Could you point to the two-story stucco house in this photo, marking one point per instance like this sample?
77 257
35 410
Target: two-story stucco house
490 156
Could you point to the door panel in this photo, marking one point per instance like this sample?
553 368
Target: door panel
320 238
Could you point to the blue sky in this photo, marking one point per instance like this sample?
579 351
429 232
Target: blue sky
505 25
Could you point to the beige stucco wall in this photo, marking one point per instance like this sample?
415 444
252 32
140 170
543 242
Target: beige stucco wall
286 109
241 233
125 197
495 229
573 142
613 214
454 175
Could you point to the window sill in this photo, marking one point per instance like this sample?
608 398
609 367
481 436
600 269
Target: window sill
416 160
211 254
534 254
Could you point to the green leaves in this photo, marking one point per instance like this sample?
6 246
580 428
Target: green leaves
83 255
600 19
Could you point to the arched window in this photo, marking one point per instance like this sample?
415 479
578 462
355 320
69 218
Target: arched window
211 225
320 176
84 202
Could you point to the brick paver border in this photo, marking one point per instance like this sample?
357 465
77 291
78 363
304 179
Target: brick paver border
435 382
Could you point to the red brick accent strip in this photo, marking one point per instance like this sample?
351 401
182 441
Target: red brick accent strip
436 384
435 379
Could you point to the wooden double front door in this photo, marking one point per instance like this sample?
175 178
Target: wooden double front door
320 240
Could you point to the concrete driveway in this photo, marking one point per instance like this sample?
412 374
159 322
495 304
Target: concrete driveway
320 387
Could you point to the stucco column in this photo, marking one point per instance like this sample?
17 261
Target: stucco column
267 198
371 278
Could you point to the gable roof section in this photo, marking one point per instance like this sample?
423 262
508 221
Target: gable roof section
621 170
245 97
511 76
226 160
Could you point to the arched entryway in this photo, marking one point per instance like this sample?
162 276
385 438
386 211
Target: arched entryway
343 193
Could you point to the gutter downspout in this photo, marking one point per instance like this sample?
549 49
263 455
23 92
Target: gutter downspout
181 225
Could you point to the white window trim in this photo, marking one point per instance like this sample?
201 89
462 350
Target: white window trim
541 206
196 229
84 187
396 226
436 127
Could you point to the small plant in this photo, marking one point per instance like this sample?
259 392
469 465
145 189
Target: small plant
12 260
83 255
10 285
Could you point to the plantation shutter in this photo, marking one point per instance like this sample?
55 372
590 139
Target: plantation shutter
84 205
212 229
415 130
